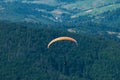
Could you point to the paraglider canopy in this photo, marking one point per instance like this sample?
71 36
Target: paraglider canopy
60 39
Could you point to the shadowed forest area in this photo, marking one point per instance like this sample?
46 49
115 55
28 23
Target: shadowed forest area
24 55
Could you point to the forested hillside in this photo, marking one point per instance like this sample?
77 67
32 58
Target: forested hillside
24 55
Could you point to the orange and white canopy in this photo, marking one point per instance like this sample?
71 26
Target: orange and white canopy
60 39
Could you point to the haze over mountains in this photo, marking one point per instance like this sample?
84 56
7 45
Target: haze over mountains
60 12
55 10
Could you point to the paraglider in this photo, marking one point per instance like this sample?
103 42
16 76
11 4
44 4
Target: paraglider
60 39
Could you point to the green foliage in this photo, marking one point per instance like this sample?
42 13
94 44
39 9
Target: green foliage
24 55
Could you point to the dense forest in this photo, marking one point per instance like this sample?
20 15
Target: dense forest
24 55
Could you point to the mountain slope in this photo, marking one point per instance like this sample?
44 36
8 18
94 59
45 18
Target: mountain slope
56 11
87 16
24 55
